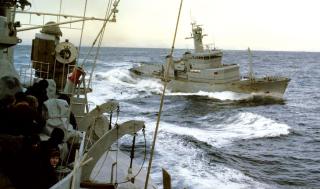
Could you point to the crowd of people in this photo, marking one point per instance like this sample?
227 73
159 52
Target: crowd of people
25 159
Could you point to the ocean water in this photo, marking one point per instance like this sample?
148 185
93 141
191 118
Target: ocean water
224 139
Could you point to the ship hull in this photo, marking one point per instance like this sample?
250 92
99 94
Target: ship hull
267 86
148 70
263 86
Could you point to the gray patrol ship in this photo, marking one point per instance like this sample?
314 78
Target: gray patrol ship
202 70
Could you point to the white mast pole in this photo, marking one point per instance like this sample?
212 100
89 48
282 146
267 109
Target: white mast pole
162 98
251 75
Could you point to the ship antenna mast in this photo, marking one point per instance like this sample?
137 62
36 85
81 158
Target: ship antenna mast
169 63
251 74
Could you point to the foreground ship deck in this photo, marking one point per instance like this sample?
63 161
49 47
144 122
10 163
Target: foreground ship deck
56 63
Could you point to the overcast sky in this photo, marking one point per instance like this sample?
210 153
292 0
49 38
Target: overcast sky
291 25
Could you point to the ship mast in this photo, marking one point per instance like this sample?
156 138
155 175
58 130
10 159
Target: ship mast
197 37
169 63
8 39
251 74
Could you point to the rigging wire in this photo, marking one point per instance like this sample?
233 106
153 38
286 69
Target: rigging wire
100 40
83 24
169 63
144 158
101 36
116 180
117 126
60 11
105 158
90 135
100 168
107 17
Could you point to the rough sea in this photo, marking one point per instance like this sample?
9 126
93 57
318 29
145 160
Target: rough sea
223 139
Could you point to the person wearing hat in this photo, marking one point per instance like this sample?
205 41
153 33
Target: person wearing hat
50 164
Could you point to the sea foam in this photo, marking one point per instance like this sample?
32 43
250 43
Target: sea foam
241 126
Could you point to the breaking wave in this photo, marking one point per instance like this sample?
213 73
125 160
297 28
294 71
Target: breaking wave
242 126
225 95
188 162
233 97
118 84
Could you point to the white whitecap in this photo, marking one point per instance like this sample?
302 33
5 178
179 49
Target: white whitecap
119 84
224 95
186 162
241 126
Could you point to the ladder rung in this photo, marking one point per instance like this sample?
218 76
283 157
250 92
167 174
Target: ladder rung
77 103
89 184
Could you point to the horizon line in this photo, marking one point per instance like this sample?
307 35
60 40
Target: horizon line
261 50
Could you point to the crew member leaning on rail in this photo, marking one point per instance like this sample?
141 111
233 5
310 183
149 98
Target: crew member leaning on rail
25 160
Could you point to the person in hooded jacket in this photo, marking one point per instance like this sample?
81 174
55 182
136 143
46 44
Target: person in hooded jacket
72 118
39 90
51 162
55 139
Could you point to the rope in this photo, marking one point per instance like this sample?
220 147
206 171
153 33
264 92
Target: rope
101 33
90 134
162 99
83 23
79 162
110 123
83 76
105 158
117 127
60 11
69 112
132 149
100 168
144 158
86 145
118 112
